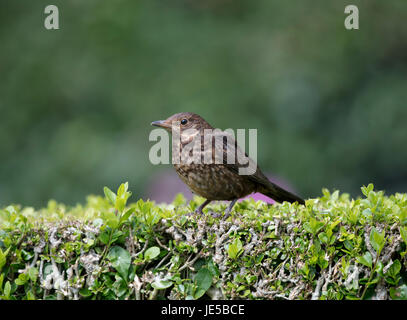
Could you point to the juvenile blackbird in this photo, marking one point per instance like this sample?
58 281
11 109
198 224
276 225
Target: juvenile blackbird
218 180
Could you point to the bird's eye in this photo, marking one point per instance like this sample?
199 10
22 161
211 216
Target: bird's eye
184 121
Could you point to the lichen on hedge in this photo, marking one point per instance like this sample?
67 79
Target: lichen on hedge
334 247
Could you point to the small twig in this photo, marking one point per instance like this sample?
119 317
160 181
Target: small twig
162 260
328 279
189 263
133 249
34 260
137 287
372 272
317 291
161 245
367 242
354 276
153 294
144 248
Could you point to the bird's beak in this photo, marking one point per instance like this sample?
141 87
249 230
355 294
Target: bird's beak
161 123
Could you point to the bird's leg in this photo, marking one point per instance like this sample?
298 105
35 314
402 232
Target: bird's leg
203 205
229 209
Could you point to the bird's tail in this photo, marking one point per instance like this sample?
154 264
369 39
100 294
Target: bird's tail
279 194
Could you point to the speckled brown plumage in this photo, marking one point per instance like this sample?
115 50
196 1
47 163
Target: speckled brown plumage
215 181
219 181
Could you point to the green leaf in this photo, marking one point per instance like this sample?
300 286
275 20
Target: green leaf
1 280
116 235
30 295
33 274
322 262
7 289
122 189
151 253
2 259
305 270
27 255
120 259
120 286
366 260
368 189
110 195
122 196
104 237
161 284
399 293
21 280
85 292
377 239
11 210
348 245
394 269
323 237
403 233
203 280
213 268
235 248
179 200
313 225
120 204
126 215
403 216
110 219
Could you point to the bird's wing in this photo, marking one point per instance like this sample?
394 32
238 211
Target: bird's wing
238 159
227 146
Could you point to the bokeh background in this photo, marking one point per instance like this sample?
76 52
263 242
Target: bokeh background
76 104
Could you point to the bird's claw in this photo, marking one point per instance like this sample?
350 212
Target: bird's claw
227 215
194 213
215 214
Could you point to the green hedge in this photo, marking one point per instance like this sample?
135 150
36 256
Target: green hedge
332 248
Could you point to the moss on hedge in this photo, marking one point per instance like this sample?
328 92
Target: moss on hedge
334 247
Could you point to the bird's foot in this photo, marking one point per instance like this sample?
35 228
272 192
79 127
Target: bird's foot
227 215
194 213
229 210
198 211
215 214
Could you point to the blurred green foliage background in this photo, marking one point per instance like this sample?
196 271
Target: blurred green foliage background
76 103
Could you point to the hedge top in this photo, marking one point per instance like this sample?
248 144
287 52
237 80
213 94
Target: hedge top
334 247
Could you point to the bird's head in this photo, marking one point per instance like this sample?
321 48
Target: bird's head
185 120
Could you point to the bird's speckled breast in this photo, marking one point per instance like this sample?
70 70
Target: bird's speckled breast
214 181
